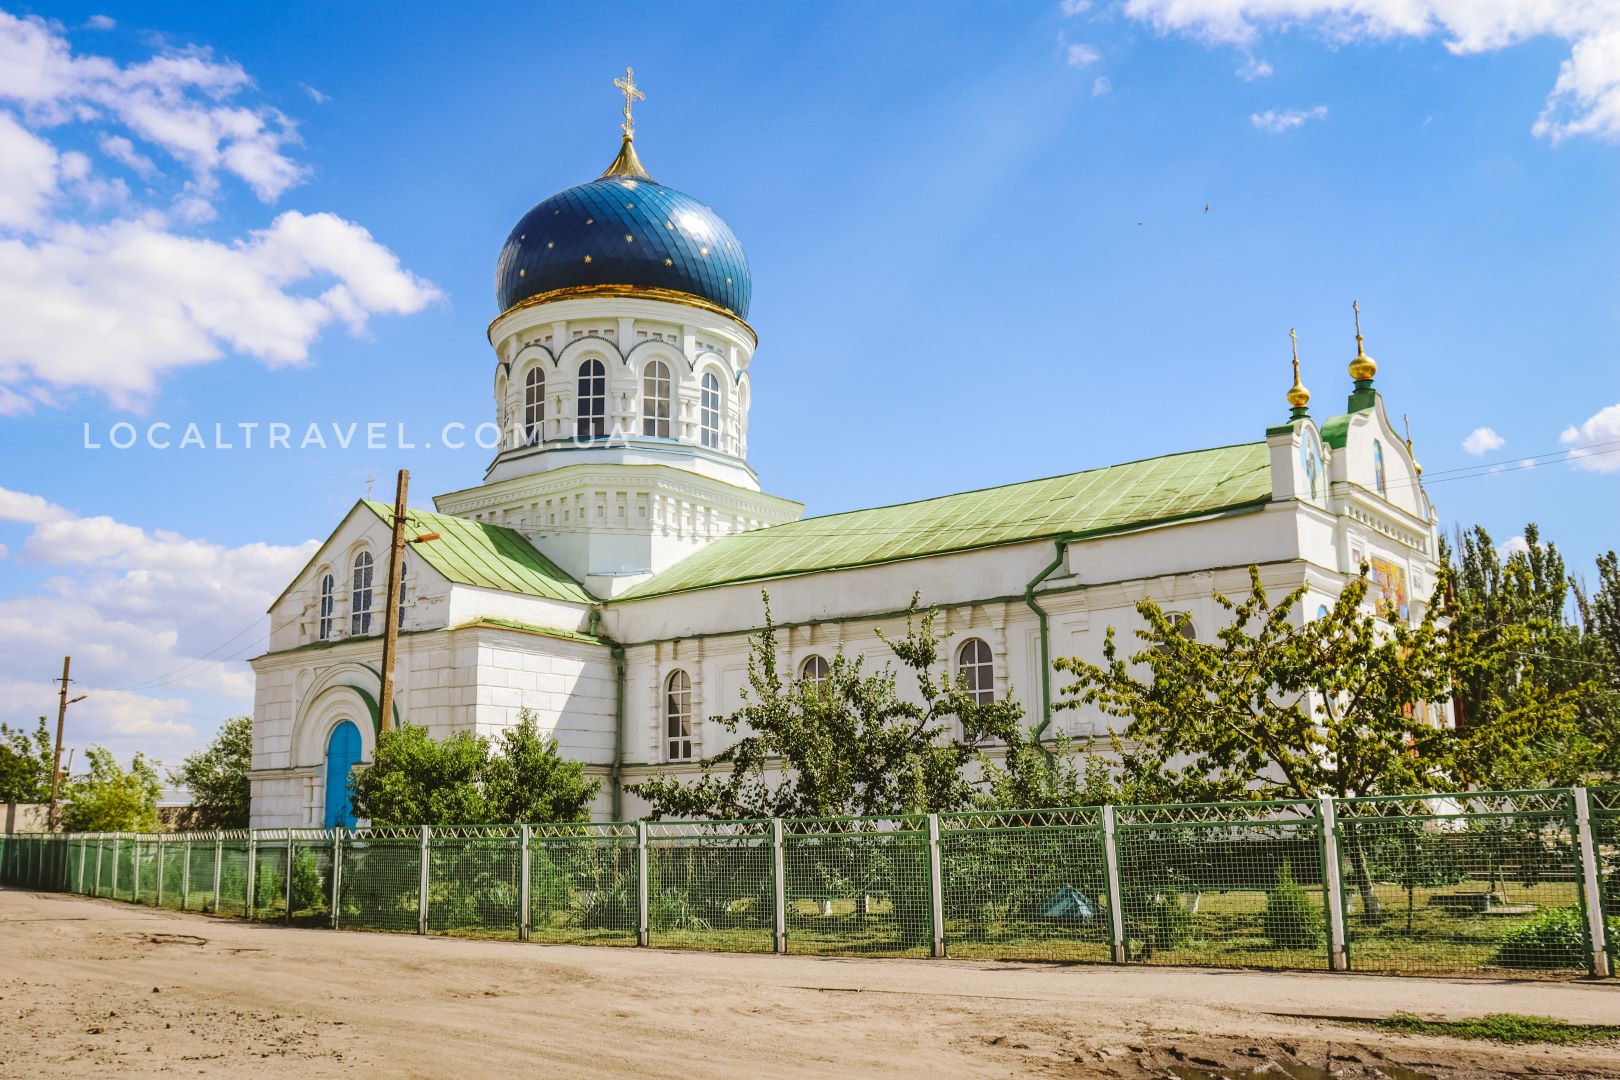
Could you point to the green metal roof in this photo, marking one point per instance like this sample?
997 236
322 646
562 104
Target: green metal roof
487 556
1097 501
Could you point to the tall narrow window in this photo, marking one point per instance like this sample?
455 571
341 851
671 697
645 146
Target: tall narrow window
815 669
1378 467
534 406
975 666
328 601
591 408
678 716
360 596
655 400
709 417
404 568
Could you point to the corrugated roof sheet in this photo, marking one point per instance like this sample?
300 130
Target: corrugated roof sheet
488 556
1092 502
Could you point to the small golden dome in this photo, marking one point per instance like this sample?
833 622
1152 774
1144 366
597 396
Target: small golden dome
1298 396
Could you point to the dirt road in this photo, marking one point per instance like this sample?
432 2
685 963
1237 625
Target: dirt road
92 987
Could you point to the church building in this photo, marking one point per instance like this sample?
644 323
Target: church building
607 571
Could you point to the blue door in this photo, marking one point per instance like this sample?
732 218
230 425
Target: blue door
342 755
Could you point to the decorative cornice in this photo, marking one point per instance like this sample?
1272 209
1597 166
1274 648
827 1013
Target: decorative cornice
624 292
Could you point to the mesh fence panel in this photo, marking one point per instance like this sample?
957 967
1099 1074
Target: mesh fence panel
381 879
172 873
1462 884
233 875
475 882
269 881
583 884
1222 885
109 867
710 885
1025 886
857 887
1605 805
146 871
201 884
312 881
124 872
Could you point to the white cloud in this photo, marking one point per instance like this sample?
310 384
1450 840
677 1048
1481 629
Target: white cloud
1074 7
165 621
1482 441
1278 122
1254 68
1513 545
1585 99
119 278
315 95
1595 444
1100 86
1081 55
100 22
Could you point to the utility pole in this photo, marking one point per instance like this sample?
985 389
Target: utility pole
396 552
61 722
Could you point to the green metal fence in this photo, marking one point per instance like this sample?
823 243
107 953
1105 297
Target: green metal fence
1511 884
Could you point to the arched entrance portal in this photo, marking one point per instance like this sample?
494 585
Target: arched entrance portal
342 755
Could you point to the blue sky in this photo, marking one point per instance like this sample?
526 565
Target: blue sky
291 213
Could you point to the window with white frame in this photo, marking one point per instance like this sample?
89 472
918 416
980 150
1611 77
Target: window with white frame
534 405
404 568
976 668
815 669
655 400
591 405
709 411
328 602
360 596
678 716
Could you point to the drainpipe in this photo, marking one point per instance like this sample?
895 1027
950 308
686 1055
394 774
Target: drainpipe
617 650
1046 646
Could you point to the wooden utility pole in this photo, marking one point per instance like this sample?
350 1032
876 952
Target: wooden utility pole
396 553
56 760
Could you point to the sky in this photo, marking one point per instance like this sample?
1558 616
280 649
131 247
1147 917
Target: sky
989 242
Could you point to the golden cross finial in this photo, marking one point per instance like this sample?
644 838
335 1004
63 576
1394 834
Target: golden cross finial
1407 421
1293 340
369 481
632 92
1355 306
1298 396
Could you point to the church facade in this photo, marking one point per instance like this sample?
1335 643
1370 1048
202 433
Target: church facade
607 572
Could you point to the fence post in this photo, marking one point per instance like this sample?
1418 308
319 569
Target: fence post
1332 886
96 889
337 873
135 889
84 853
524 835
185 873
291 850
936 891
1596 934
779 885
1116 906
117 838
643 936
252 874
219 852
159 901
422 888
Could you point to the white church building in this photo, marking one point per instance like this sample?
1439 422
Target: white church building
607 571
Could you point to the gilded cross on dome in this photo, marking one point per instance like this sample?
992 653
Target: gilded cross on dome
632 92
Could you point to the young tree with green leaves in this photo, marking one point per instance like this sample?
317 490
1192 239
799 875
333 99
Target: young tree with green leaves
849 743
465 780
110 798
25 764
217 777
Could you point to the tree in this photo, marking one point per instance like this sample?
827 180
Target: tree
418 780
848 743
110 798
25 764
217 778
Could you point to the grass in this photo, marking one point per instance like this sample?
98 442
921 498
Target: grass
1499 1027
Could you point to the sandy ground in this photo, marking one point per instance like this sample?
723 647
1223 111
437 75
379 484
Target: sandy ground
90 986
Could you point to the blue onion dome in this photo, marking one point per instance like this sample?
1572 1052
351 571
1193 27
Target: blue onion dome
624 232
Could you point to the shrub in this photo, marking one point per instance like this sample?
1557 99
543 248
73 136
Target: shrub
1172 922
1553 939
1291 921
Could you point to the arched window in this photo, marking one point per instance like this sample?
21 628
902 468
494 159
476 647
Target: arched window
1184 626
534 405
815 669
591 407
342 755
1378 467
404 568
975 666
709 413
655 400
328 602
678 716
360 596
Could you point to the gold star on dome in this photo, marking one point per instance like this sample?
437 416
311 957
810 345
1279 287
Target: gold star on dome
587 258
